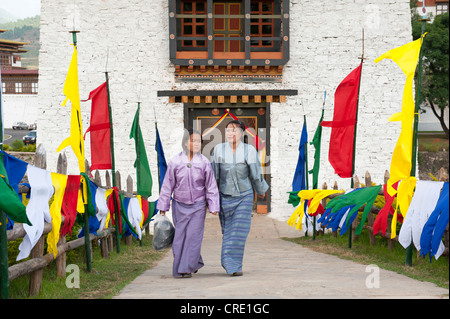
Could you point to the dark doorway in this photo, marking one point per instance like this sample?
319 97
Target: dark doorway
255 116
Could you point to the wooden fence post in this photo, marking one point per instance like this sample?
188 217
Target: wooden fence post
370 218
87 241
129 239
391 242
104 240
40 160
110 239
60 260
356 184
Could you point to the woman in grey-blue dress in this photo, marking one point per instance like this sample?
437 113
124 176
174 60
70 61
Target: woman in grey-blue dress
238 172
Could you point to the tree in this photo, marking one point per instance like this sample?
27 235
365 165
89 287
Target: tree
435 76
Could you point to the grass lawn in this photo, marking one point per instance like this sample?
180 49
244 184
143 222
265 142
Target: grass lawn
107 278
432 142
436 271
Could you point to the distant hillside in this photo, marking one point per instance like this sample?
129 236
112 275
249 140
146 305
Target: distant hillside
25 30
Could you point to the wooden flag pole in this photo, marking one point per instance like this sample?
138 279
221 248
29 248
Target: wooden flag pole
87 242
4 275
157 158
315 186
350 228
409 249
113 163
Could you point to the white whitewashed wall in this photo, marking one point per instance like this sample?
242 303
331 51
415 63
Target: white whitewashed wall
325 45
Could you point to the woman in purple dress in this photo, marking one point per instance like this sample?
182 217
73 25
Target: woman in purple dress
190 180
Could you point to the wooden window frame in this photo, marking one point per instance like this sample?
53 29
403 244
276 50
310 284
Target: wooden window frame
277 54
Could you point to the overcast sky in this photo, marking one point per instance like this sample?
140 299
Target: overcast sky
22 8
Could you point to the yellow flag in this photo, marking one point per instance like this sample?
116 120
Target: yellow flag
404 198
59 182
406 58
315 195
72 93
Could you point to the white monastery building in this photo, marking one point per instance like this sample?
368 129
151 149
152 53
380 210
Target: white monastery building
187 61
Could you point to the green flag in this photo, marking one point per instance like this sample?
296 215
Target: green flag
359 197
144 177
316 143
9 201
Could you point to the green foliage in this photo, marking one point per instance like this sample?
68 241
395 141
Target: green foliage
29 148
435 80
17 146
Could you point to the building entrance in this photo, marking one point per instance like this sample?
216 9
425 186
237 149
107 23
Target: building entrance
211 119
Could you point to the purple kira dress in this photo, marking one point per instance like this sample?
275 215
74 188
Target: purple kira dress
194 187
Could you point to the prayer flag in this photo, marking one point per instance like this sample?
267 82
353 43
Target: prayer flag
71 91
9 201
357 198
100 129
316 142
406 58
343 125
162 164
59 182
299 181
144 176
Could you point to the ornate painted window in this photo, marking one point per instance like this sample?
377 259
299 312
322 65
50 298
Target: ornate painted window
229 32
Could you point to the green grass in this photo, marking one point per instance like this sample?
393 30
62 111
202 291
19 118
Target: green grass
436 271
107 278
432 143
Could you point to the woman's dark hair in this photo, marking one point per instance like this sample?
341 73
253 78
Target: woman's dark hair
187 136
241 126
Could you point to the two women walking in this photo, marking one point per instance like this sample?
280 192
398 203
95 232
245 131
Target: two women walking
192 181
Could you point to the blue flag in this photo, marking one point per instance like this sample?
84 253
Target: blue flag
162 164
299 181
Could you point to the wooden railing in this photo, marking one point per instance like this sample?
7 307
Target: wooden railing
38 261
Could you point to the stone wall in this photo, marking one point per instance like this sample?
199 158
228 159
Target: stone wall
325 45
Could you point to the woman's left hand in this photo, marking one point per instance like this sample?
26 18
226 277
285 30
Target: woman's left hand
214 213
262 196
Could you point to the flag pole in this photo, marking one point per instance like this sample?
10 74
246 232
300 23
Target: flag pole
157 148
87 242
315 186
354 138
306 164
4 274
113 162
408 261
138 151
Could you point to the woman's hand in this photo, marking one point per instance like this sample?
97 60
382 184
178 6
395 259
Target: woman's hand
262 196
214 213
163 213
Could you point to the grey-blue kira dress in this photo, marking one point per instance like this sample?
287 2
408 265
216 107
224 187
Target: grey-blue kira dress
237 175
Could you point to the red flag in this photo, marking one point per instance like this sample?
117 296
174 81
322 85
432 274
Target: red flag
100 129
343 125
69 203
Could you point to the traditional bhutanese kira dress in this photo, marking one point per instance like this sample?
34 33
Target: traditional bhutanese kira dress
194 187
238 175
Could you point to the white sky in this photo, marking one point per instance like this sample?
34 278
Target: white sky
22 8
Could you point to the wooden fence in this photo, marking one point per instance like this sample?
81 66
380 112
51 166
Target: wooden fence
443 176
38 261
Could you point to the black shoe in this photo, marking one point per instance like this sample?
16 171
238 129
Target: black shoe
237 273
186 275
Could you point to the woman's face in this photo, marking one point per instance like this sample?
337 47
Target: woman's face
194 144
233 133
